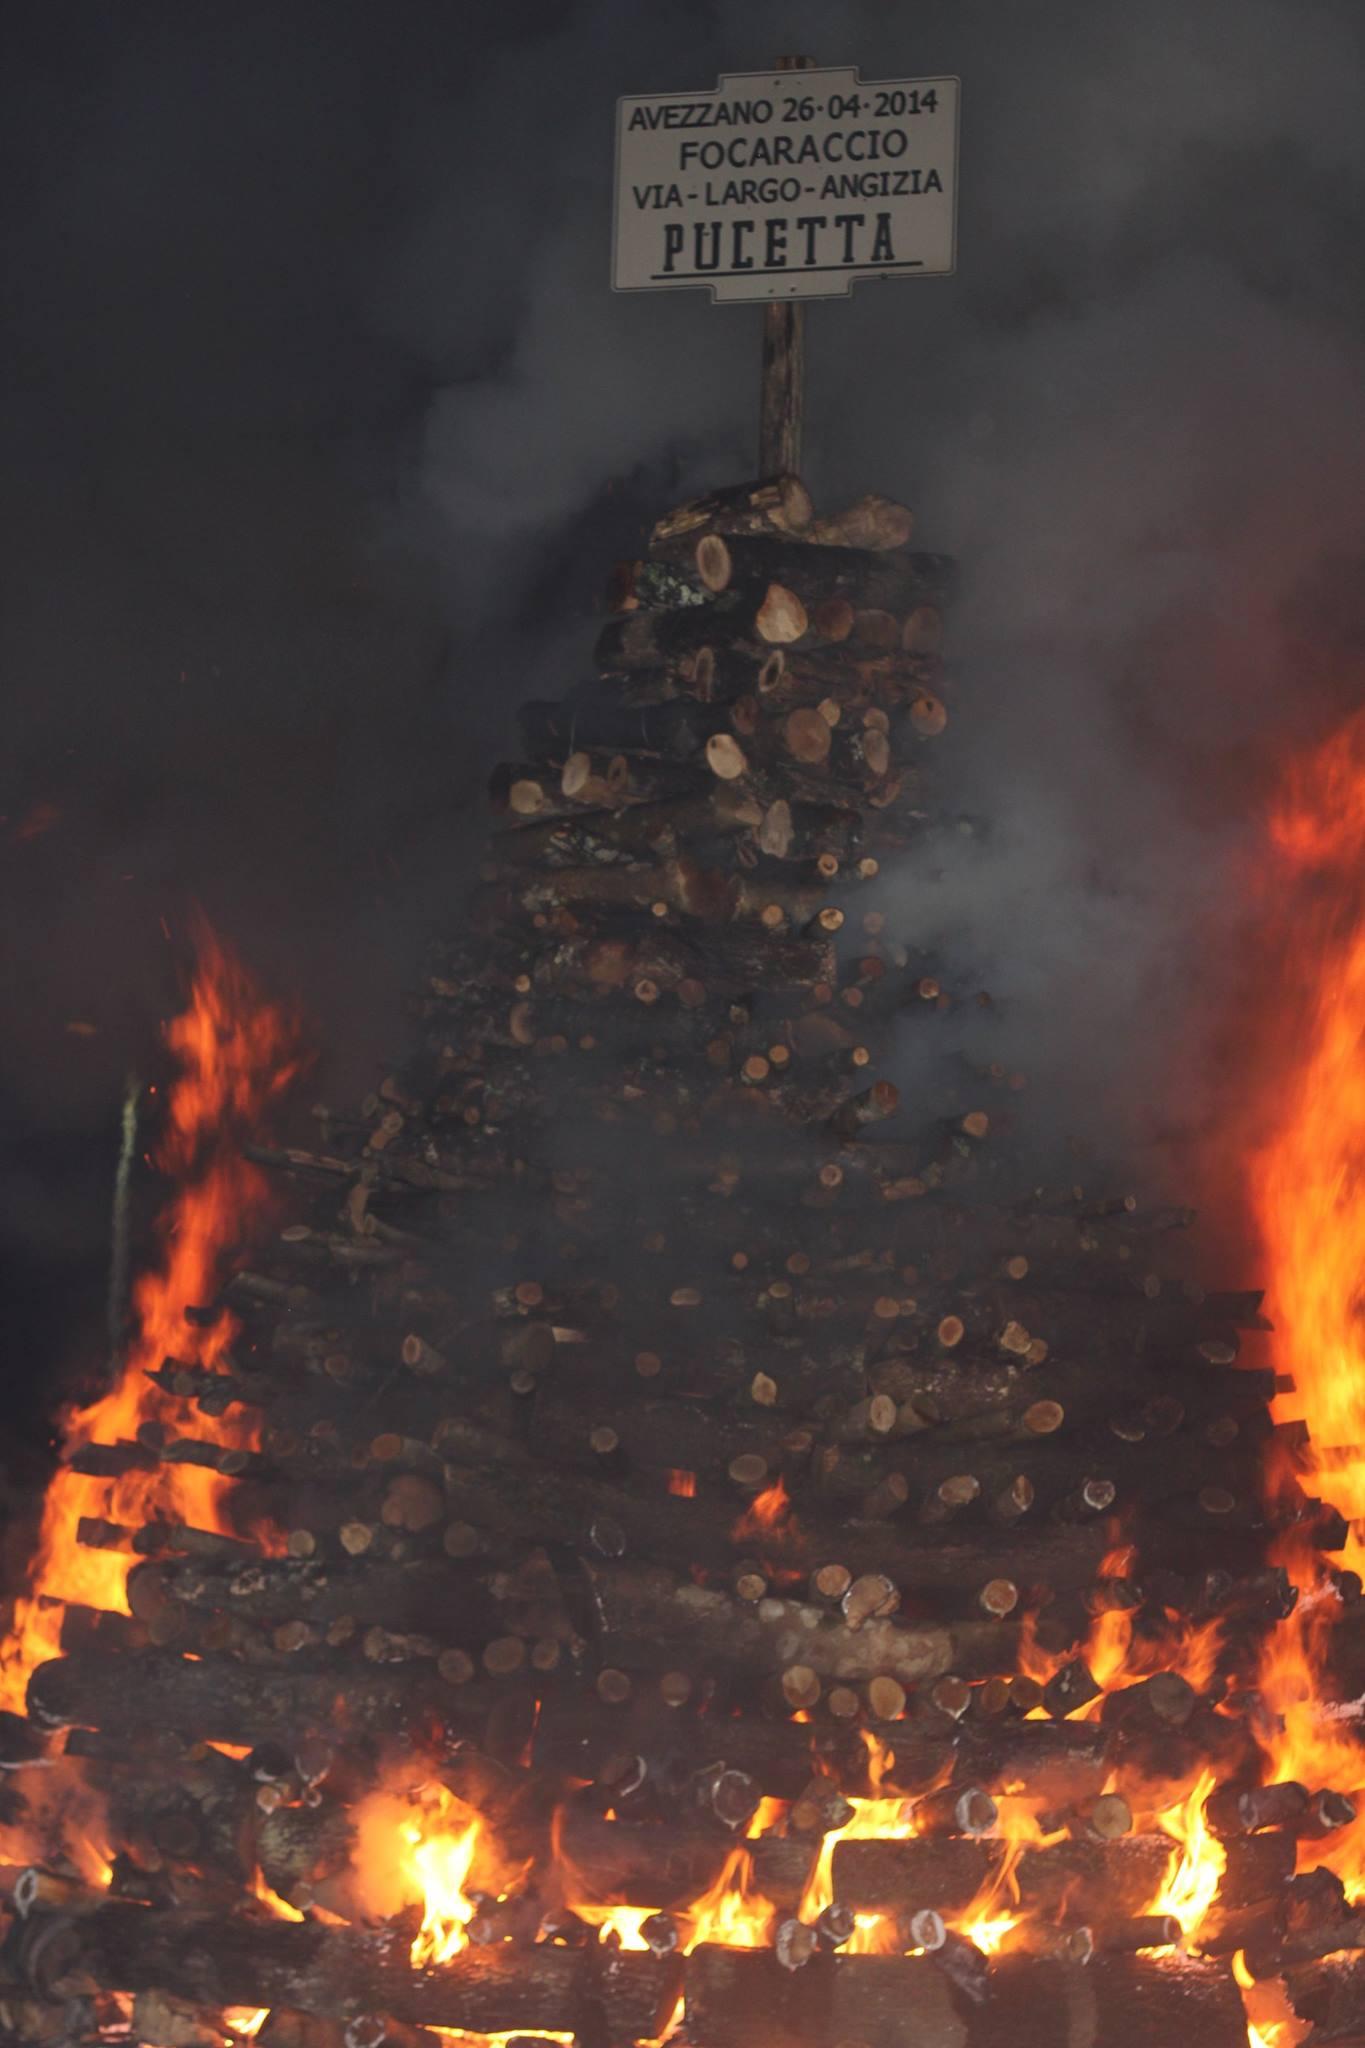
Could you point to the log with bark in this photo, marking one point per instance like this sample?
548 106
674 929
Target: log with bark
676 1731
219 1700
890 579
671 1864
735 1996
645 1615
779 504
215 1960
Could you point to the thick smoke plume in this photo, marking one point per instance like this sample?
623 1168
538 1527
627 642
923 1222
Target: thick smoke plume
319 424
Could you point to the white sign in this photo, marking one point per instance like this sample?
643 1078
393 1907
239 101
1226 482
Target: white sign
786 184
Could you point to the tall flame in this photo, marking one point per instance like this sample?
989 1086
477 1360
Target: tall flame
442 1860
235 1053
874 1933
416 1845
1308 1190
1308 1179
1197 1864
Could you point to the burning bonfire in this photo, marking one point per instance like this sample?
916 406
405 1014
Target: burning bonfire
848 1597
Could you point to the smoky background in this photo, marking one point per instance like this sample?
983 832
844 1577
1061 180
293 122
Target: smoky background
320 427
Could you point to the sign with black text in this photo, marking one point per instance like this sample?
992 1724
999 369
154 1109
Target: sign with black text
788 184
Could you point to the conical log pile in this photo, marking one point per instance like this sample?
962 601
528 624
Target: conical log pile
665 1413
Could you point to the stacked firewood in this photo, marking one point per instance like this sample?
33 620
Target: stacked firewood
662 1410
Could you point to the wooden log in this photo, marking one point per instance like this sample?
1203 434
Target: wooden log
298 1846
1054 1761
192 1808
734 959
659 1434
678 729
735 1997
1099 1879
738 1996
211 1699
1276 1951
1331 1995
875 1874
1257 1867
577 833
217 1960
159 2021
1149 2002
891 579
679 885
778 504
578 1737
869 522
653 640
442 1596
532 796
847 677
645 1614
608 1517
1096 1880
670 1864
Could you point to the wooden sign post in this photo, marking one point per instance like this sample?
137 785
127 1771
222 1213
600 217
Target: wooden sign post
782 186
784 367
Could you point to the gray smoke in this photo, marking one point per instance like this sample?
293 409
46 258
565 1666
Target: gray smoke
1137 415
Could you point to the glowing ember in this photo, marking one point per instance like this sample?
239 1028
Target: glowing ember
235 1053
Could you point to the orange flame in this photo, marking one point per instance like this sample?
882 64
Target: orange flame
1115 1661
1308 1179
245 2021
732 1912
1307 1741
442 1861
281 1908
766 1512
992 1914
1308 1191
874 1933
235 1053
1197 1864
416 1846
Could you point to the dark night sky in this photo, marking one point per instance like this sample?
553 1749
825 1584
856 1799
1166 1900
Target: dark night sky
318 427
